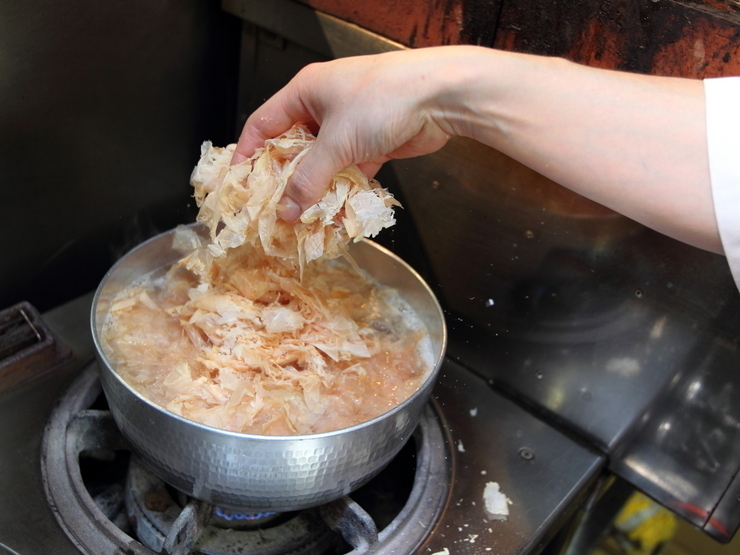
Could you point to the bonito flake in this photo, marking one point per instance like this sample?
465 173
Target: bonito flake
258 328
240 203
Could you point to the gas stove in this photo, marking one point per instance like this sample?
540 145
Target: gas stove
586 352
71 485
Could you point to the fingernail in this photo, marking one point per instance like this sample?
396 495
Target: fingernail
288 209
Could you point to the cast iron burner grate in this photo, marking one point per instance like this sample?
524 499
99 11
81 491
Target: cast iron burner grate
108 502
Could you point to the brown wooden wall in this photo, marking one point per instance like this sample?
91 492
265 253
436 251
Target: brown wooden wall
666 37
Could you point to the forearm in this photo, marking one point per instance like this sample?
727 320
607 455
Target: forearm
634 143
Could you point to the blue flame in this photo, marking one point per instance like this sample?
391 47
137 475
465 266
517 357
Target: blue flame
228 514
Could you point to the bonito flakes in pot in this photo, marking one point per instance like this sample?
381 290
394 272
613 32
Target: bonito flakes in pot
267 326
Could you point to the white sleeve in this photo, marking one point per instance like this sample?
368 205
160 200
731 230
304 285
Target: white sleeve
723 141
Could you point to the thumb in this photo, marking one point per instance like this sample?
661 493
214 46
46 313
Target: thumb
310 180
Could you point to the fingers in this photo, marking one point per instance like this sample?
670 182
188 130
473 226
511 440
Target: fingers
371 168
252 137
368 113
311 177
274 117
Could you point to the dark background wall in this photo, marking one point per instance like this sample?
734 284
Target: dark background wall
103 106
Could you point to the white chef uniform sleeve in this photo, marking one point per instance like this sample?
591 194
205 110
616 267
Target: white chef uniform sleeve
723 141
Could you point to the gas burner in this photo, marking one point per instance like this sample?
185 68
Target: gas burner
154 509
108 502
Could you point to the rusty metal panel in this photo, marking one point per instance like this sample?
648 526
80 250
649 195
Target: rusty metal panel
409 22
663 37
416 24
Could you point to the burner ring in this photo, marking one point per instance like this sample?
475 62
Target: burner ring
298 533
74 429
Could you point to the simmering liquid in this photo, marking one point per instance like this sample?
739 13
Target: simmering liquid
252 349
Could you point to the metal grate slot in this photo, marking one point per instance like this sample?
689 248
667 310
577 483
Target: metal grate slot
17 332
28 349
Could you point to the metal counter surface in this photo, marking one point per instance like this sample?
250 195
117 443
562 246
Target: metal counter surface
543 473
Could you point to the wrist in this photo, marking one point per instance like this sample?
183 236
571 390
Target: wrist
454 102
484 93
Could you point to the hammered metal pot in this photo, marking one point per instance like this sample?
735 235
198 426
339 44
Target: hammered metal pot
253 472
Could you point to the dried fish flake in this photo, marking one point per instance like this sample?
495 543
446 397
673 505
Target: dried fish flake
496 503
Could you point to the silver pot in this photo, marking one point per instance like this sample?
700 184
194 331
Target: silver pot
253 472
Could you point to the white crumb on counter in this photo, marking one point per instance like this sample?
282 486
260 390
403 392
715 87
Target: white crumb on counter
474 412
497 504
444 551
460 446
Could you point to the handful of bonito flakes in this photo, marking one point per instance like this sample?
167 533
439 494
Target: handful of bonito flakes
240 204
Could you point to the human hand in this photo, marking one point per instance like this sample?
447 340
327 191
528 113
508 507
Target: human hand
367 110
